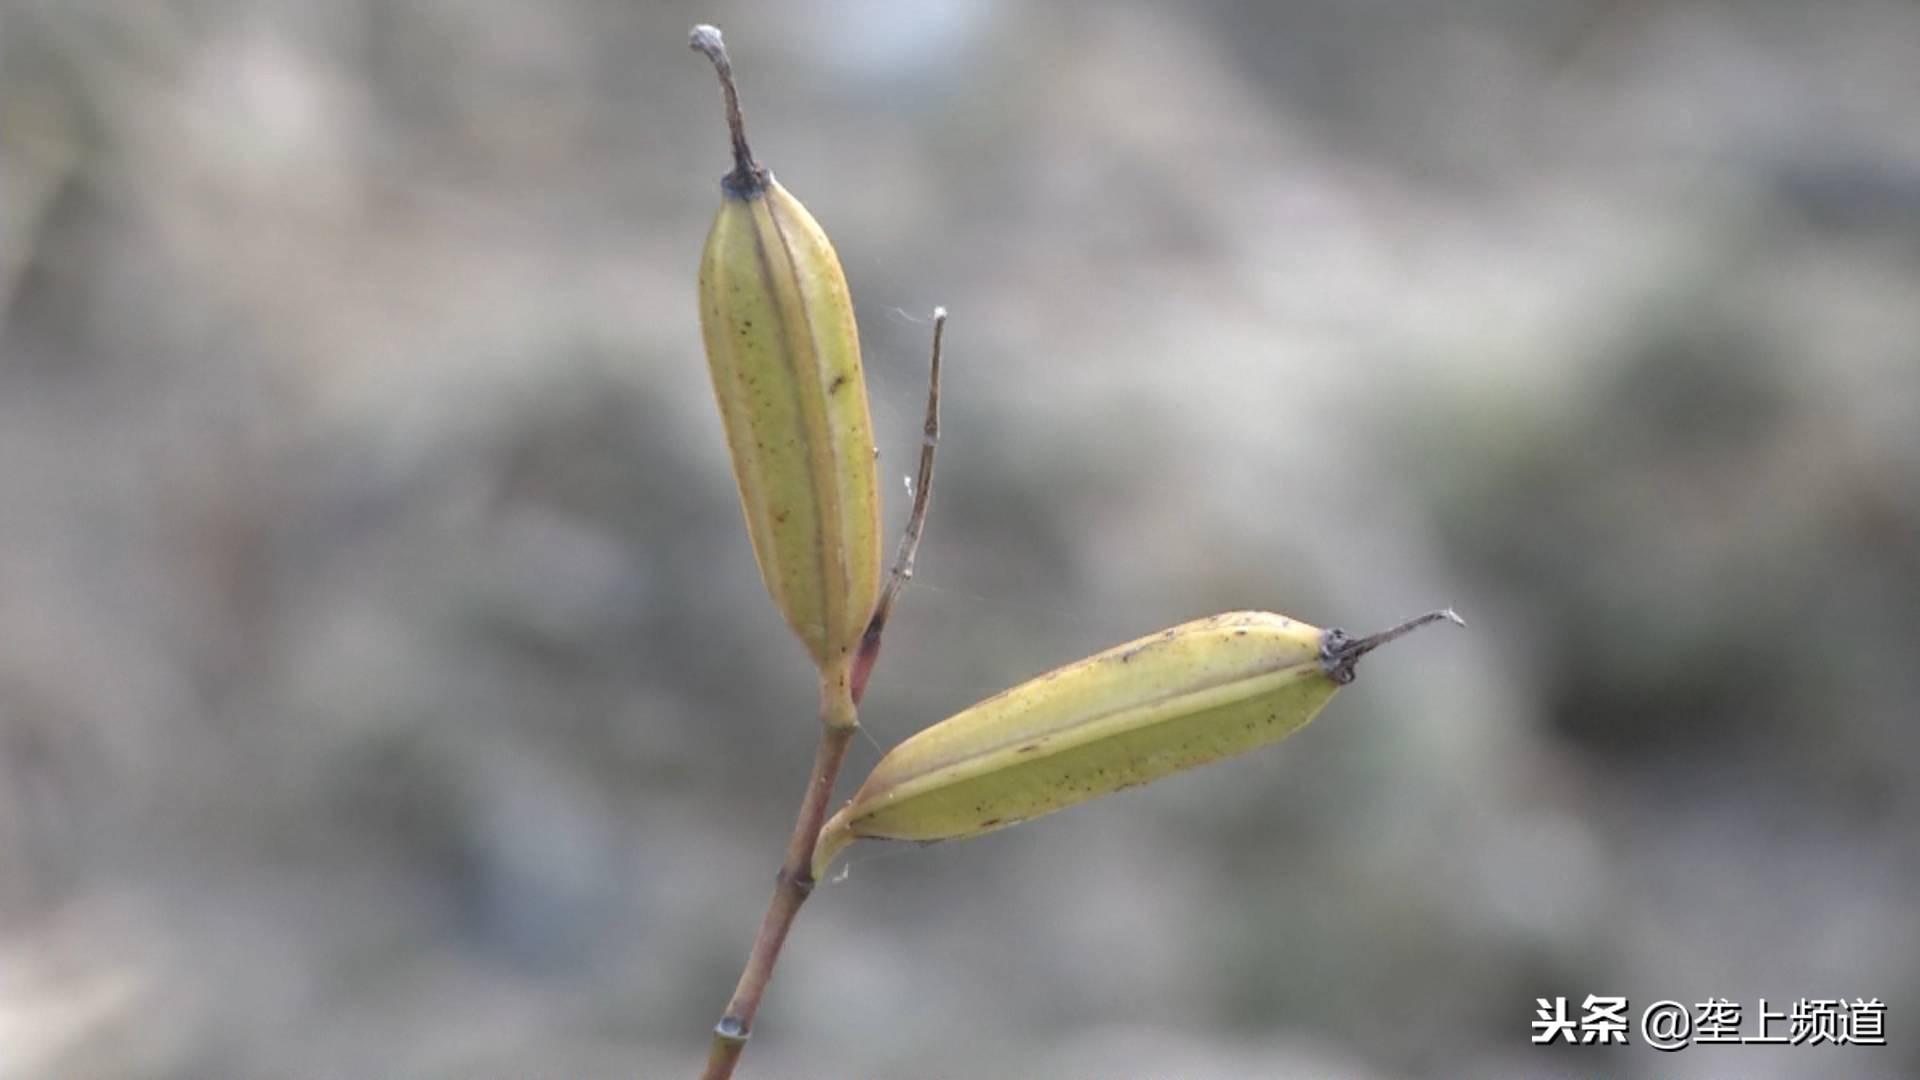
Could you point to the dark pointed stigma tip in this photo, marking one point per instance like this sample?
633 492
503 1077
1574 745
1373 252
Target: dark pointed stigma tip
748 179
1340 651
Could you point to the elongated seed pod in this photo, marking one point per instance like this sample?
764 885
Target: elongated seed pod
1197 693
784 354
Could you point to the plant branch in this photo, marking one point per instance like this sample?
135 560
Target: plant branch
792 886
922 492
839 699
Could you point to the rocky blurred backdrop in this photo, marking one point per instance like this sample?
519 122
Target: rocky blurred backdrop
386 689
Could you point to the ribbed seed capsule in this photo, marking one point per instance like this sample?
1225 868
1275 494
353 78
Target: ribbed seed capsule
784 354
1194 694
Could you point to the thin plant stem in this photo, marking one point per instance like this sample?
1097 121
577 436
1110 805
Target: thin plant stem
791 888
839 699
869 650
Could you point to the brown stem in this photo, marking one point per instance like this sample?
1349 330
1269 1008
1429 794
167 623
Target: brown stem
838 700
869 650
793 884
748 178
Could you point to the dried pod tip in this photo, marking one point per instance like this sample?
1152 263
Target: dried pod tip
1340 651
920 488
748 178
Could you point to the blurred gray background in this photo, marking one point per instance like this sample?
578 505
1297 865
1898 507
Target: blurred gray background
386 689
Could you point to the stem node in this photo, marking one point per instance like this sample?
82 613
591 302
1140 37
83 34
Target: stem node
791 887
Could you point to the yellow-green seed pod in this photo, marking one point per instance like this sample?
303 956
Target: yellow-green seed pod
784 354
1197 693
